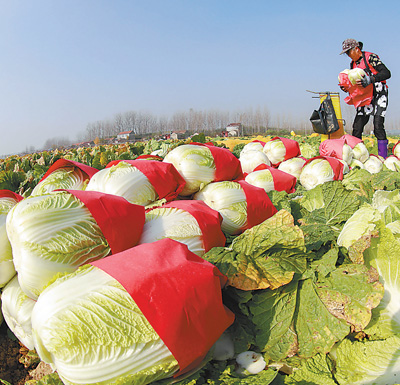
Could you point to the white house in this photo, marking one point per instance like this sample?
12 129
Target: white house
233 129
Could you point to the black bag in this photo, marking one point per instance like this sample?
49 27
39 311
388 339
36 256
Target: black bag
324 119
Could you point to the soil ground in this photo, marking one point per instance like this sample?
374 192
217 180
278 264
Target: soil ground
17 364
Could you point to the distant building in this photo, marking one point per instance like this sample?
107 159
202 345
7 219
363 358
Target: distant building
233 129
83 144
126 135
175 135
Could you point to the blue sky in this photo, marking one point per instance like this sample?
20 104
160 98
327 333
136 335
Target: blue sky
67 63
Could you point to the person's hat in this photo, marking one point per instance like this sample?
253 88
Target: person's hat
348 44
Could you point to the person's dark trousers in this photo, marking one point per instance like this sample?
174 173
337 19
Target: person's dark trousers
358 125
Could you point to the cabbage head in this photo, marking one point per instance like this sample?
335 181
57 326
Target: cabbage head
88 327
195 164
124 180
292 166
262 179
275 151
360 152
392 163
355 74
316 172
373 164
71 178
249 160
17 309
252 146
229 199
174 223
49 234
7 270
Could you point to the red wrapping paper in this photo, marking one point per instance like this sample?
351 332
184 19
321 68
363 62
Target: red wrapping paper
351 140
227 166
292 148
259 206
336 164
11 194
208 219
283 181
258 141
332 147
178 292
149 157
120 221
164 177
61 163
358 95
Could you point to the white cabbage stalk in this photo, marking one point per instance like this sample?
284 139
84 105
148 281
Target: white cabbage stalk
72 178
292 166
392 163
7 269
88 327
373 164
50 234
347 153
356 163
250 362
195 164
275 151
360 152
252 146
124 180
318 171
229 199
262 179
174 223
355 74
17 309
249 160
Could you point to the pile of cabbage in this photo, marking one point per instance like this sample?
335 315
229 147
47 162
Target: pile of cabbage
304 237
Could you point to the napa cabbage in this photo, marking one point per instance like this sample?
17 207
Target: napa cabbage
17 310
317 171
360 152
392 163
49 234
373 164
249 160
7 270
174 223
292 166
275 151
229 199
68 177
195 164
87 326
355 74
262 179
252 146
124 179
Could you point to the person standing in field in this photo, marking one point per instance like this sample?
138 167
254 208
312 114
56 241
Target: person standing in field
376 74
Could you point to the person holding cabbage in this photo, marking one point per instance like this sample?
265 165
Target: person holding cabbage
374 77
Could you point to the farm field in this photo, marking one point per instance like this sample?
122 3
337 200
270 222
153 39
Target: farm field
306 236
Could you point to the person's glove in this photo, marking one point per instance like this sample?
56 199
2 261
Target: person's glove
367 80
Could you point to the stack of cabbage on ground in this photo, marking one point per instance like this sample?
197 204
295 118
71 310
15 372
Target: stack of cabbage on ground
279 266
